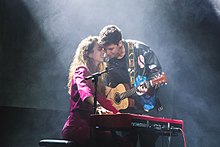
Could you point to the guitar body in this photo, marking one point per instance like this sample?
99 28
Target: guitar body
113 94
119 95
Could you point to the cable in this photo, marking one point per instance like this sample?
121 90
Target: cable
184 139
172 129
182 132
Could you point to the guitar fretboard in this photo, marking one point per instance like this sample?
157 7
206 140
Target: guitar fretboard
133 90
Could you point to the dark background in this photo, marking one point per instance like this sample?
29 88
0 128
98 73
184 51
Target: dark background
39 37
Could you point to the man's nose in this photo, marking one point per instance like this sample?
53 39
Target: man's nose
108 52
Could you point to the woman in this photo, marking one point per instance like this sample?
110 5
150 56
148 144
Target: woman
88 59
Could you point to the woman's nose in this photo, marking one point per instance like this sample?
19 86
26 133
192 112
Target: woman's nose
104 50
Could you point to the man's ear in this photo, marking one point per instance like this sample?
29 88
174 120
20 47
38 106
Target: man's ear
120 43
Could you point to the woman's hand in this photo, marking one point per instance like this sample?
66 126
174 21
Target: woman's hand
100 110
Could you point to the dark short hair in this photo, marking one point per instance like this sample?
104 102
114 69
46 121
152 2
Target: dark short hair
110 34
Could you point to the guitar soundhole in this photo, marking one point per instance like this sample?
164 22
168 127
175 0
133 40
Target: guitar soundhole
117 98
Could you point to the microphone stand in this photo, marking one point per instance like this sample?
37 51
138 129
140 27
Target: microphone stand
94 78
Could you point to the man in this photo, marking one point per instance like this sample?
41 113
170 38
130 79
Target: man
133 64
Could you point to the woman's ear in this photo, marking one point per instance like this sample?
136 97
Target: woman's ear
90 55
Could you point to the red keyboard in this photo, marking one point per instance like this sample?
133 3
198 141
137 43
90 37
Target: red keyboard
128 120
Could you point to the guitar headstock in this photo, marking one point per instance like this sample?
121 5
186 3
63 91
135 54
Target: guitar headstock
159 80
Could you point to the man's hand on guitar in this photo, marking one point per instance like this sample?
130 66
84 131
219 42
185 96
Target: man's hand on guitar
141 89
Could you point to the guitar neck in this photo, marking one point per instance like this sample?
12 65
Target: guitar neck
130 92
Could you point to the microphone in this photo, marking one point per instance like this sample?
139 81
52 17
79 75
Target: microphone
94 75
108 69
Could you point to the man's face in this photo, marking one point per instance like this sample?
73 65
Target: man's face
113 50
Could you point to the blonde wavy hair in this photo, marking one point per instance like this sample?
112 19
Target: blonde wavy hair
81 58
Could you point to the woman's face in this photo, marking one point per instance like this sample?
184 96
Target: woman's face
97 55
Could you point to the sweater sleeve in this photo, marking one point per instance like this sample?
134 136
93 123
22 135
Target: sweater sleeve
107 104
84 87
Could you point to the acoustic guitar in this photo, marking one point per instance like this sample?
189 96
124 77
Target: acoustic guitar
119 95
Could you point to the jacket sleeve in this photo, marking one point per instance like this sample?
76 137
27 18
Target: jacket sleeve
152 66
